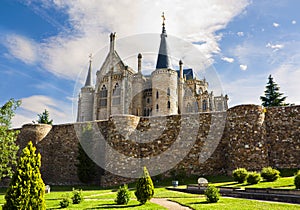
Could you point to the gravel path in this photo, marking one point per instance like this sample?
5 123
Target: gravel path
169 204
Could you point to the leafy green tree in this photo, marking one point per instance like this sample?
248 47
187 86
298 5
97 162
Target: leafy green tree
272 95
44 118
144 188
86 168
26 190
8 137
123 195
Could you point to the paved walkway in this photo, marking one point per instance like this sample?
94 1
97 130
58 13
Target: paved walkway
169 204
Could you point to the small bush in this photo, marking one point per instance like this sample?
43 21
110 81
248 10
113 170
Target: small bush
212 194
240 175
123 195
77 196
269 174
297 180
253 177
65 202
144 188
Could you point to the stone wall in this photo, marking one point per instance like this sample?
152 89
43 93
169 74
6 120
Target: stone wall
203 143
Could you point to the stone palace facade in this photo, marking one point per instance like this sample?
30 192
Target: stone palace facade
120 90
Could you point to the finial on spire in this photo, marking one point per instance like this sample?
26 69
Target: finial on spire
164 18
163 23
90 57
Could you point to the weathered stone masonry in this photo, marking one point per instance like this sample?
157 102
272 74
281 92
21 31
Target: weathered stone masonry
253 137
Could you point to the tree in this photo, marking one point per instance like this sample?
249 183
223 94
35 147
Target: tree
272 95
26 189
44 118
8 147
86 168
144 188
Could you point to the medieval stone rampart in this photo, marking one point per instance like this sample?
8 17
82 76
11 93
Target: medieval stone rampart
249 136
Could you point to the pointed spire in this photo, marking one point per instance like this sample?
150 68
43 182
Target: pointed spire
163 59
88 82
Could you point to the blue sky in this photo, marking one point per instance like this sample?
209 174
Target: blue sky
45 46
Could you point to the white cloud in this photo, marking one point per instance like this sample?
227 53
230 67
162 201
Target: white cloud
227 59
243 67
276 25
240 33
275 47
91 22
60 111
21 48
294 22
287 77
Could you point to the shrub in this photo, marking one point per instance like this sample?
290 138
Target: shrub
123 195
253 177
269 174
240 175
212 194
144 188
26 189
65 202
297 180
77 196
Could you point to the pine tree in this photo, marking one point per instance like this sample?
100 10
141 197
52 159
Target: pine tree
272 95
27 189
8 137
44 118
144 188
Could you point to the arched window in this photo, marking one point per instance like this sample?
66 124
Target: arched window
204 105
168 92
117 90
189 108
148 100
103 92
169 104
196 106
157 94
157 107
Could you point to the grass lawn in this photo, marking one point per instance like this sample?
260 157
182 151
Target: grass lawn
282 183
233 204
96 198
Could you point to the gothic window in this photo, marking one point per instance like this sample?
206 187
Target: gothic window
116 99
169 104
148 100
103 92
157 94
204 105
117 90
157 107
103 96
220 107
168 92
189 108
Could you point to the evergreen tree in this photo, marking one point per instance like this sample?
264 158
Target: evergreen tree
86 168
8 137
272 95
27 189
44 118
144 188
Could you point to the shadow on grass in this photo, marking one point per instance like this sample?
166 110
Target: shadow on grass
111 206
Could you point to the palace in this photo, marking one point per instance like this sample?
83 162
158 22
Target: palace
120 90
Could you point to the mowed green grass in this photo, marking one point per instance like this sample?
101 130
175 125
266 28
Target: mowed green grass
96 198
104 199
281 183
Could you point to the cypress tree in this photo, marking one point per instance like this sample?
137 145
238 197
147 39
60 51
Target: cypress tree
144 188
27 189
272 95
86 168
